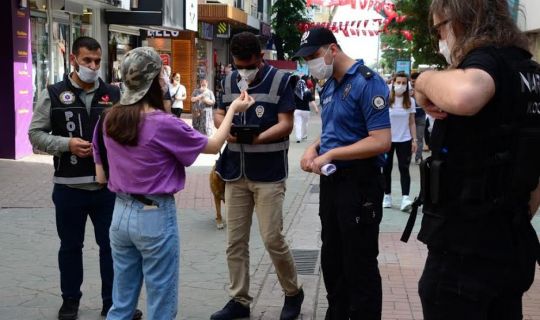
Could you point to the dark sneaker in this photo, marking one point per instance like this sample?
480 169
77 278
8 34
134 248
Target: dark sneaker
292 306
69 309
107 306
232 310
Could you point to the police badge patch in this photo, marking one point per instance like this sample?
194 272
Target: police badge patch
378 103
67 97
346 91
259 111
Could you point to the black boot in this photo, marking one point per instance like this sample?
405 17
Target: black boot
292 306
232 310
69 309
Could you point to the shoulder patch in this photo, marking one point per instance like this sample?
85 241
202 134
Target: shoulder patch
378 102
366 72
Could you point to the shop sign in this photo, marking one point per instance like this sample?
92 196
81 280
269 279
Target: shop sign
206 31
166 59
223 30
162 34
191 17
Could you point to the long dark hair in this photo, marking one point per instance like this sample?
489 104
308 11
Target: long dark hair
478 23
122 121
406 94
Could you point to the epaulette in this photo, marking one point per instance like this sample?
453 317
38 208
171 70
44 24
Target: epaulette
366 72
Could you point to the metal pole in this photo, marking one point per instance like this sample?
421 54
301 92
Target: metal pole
50 41
378 49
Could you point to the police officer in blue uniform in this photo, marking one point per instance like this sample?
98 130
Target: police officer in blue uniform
355 135
62 125
254 165
481 185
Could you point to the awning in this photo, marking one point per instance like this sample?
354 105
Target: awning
213 12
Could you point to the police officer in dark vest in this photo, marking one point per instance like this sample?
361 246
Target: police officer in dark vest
254 165
485 165
62 125
355 135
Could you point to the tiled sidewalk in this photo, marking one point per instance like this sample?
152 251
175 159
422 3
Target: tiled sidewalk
401 266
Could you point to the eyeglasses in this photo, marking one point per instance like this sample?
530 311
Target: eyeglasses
437 27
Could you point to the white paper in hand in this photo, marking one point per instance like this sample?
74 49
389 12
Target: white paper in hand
328 169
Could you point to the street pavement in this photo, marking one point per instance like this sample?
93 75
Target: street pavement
29 278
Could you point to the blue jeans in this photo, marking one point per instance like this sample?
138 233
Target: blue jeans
145 244
73 206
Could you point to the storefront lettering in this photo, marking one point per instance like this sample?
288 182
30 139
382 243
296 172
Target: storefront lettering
22 53
162 33
23 91
22 34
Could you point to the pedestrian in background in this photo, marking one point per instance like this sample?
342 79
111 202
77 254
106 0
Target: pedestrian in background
254 166
202 101
485 165
304 101
178 94
402 109
62 125
147 151
420 121
355 134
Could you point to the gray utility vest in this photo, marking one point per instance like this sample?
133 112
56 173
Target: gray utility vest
257 162
69 118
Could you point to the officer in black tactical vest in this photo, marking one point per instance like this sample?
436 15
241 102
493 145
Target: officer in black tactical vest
62 125
481 184
255 166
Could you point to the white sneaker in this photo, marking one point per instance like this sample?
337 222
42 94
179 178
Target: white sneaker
387 201
406 204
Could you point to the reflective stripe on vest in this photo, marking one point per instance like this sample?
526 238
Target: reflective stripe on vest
270 97
257 148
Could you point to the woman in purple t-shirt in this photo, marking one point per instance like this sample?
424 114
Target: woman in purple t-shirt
147 152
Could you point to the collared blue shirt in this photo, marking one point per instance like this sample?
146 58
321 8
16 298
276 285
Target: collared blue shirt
352 108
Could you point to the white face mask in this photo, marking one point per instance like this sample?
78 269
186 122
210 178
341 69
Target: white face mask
445 51
400 89
319 69
86 74
248 74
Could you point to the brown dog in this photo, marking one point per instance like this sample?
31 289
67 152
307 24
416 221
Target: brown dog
217 186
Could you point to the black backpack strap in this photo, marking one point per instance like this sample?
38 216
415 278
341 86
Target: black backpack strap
419 200
101 146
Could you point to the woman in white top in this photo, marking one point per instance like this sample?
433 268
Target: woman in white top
178 94
402 109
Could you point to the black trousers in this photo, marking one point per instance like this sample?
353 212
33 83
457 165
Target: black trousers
350 212
404 153
177 111
73 207
469 288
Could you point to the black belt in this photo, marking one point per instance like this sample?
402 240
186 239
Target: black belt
144 200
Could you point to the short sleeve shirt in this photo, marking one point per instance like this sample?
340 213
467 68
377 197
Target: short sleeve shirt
166 145
399 119
353 108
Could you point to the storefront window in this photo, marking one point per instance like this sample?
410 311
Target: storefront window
40 52
119 44
202 60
